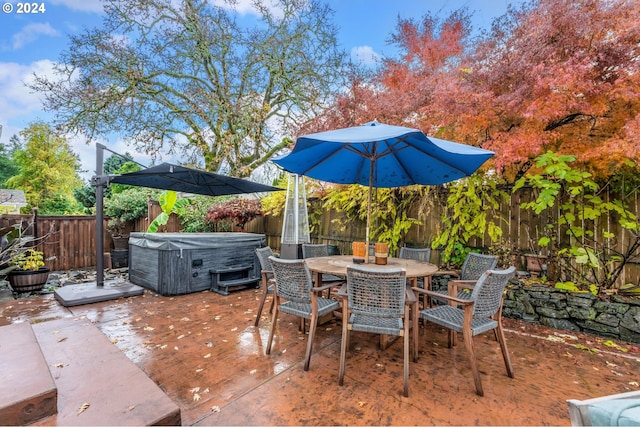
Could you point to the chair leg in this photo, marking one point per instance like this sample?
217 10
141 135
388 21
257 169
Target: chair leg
260 307
415 333
468 342
271 306
505 352
344 345
406 352
312 333
274 319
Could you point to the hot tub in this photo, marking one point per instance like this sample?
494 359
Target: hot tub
182 263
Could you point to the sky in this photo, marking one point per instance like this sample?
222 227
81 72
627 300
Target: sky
32 42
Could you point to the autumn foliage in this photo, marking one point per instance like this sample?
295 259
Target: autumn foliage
560 75
238 210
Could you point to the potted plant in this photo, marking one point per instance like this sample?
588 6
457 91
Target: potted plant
122 208
30 273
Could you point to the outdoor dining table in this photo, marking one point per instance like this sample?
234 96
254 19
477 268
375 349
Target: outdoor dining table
337 265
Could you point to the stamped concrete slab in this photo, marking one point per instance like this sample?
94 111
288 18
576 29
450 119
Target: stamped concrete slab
27 390
97 384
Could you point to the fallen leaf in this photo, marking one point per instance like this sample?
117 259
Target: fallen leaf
199 370
130 408
205 391
176 348
209 344
170 327
185 319
196 397
234 329
215 409
208 355
148 328
181 336
83 408
361 404
62 339
195 390
253 371
612 365
138 319
55 332
59 365
163 346
634 383
216 318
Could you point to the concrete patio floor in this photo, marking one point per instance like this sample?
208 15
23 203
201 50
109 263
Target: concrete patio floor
204 352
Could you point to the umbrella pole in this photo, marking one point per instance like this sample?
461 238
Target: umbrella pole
366 245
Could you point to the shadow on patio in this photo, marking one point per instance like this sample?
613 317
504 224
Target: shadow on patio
204 352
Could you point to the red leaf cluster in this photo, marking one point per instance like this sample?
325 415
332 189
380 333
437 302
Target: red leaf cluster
239 210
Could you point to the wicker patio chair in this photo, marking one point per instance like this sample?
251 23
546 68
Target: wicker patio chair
311 250
480 313
375 304
419 254
474 265
267 279
294 285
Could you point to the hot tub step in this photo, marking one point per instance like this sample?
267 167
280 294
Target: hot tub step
233 279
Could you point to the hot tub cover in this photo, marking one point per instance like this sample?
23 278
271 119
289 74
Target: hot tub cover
181 241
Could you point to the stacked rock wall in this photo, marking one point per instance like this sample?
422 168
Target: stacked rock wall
617 318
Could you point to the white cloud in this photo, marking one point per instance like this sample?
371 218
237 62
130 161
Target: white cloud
365 55
16 100
31 33
246 7
81 5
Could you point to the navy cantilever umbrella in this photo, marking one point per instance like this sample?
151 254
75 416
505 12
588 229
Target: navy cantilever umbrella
179 178
381 155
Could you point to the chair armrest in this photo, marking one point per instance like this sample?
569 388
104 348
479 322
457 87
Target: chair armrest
466 284
325 287
342 292
410 297
443 296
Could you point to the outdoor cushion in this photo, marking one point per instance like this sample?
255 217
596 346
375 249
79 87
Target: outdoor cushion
615 412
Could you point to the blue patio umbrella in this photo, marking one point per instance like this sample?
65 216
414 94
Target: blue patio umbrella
381 156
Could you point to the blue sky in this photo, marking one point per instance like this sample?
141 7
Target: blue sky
31 43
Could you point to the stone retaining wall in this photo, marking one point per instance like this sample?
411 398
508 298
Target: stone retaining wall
617 318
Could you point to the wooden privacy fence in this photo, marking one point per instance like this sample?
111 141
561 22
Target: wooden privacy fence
521 230
72 240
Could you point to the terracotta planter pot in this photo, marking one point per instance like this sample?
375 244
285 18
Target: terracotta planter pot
28 280
358 249
381 253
